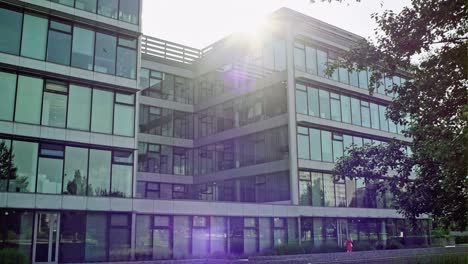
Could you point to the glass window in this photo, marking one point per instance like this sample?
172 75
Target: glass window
59 42
332 58
303 143
25 160
126 60
144 79
17 234
99 172
143 237
315 144
128 11
124 117
374 114
76 171
383 118
72 237
322 62
105 53
301 99
335 105
313 100
363 79
328 190
392 127
83 48
353 78
305 188
103 107
346 109
64 2
79 107
344 75
356 111
34 39
87 5
28 100
265 233
54 105
7 90
49 174
121 180
299 56
337 146
108 8
218 234
10 30
326 146
181 242
96 237
365 114
317 189
311 60
324 97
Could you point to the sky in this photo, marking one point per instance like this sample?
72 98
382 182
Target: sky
199 23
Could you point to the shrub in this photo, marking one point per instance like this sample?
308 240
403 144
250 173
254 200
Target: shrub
12 256
362 246
461 239
394 244
329 246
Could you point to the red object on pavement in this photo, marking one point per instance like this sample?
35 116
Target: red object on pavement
349 245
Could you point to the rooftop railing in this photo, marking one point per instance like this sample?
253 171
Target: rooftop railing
169 50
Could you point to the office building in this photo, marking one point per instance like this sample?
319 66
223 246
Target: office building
128 147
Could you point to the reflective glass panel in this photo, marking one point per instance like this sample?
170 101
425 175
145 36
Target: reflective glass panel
315 145
128 11
105 53
87 5
28 100
83 48
122 180
10 30
7 98
124 120
49 176
102 115
99 172
313 101
54 109
326 146
126 62
79 107
59 43
25 160
76 171
34 39
108 8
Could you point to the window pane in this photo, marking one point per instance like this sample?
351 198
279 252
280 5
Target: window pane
96 237
122 180
182 239
313 100
337 149
54 109
345 109
356 111
108 8
353 78
218 234
299 58
10 30
311 60
365 114
126 62
363 79
328 190
324 104
383 118
99 172
301 102
28 100
87 5
317 189
129 11
49 176
25 160
336 108
76 171
303 146
321 62
327 146
105 53
144 79
79 109
34 38
124 120
83 48
59 45
64 2
315 148
103 107
7 98
374 114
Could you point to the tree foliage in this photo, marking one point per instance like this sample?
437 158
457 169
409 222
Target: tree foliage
427 42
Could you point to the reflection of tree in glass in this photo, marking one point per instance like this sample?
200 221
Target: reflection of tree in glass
105 192
8 170
78 185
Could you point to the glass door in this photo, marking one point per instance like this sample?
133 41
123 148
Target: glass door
46 230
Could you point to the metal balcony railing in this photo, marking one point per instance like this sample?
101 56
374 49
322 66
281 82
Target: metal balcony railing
169 50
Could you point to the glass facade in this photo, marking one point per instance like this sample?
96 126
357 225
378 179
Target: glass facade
55 103
46 38
343 108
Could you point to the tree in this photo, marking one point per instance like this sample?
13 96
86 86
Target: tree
428 42
7 168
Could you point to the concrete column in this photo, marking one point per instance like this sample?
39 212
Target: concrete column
293 169
133 237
